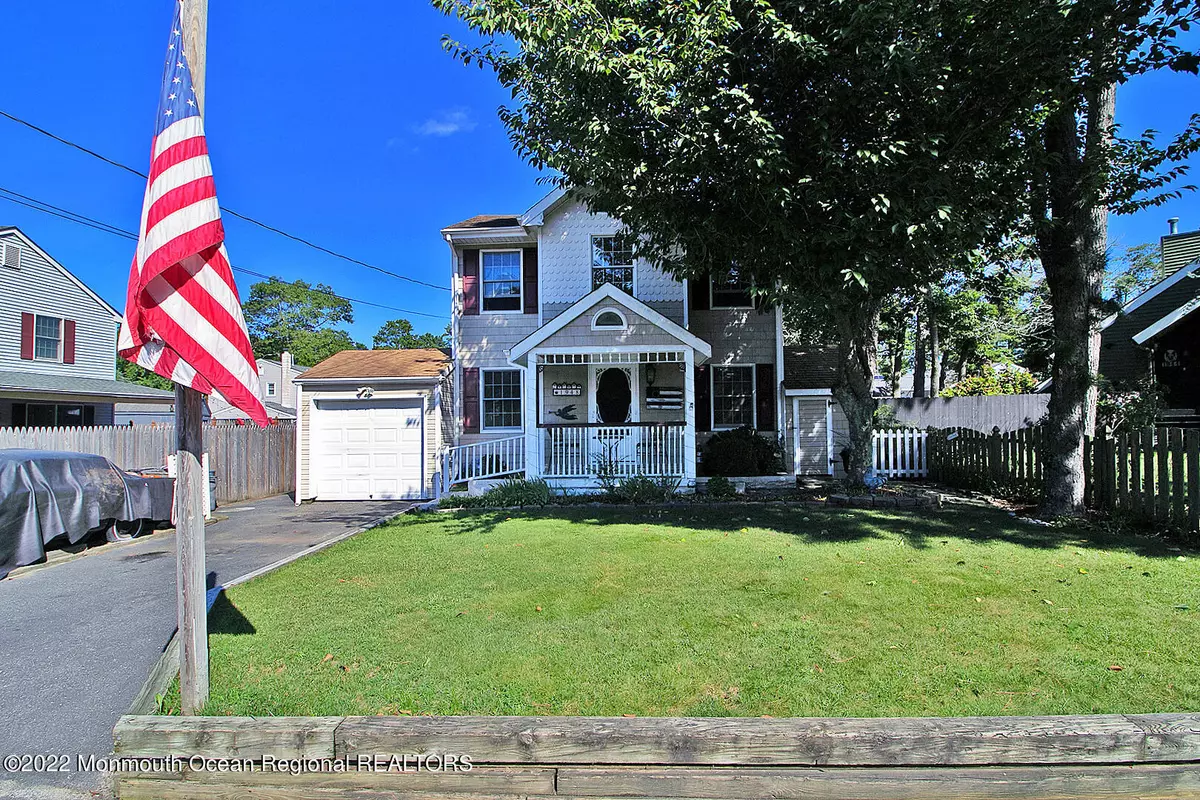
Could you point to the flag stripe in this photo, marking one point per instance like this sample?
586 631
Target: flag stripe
183 319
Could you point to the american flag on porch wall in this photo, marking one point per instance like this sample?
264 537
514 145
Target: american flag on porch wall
183 318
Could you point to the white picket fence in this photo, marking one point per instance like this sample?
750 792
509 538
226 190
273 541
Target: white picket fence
900 453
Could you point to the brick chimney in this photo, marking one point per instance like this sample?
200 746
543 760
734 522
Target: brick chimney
287 390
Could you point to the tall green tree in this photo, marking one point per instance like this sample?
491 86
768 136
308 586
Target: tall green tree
132 373
397 334
298 317
844 149
1080 169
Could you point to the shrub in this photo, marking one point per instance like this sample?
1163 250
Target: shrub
520 492
992 381
515 492
741 452
721 487
640 489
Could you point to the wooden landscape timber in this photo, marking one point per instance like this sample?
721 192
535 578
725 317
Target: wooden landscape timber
1147 755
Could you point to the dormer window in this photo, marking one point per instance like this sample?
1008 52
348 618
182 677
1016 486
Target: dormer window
609 319
612 262
731 291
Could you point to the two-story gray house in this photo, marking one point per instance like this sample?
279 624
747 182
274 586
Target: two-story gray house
276 389
573 356
58 344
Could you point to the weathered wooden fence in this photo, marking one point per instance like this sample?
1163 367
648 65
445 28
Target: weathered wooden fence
539 758
1152 474
249 462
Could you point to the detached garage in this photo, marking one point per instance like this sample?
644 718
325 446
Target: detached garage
370 425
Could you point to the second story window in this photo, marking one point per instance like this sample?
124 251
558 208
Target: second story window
501 280
612 262
270 390
47 338
731 291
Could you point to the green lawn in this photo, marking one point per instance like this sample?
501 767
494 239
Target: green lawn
733 610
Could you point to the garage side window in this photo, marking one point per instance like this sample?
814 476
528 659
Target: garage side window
501 399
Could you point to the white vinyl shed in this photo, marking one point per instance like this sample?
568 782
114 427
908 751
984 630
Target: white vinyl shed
370 425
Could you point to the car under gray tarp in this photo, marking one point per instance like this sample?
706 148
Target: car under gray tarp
47 495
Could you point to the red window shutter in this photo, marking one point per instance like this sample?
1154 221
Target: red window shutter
529 261
764 395
703 400
698 290
470 400
27 337
68 341
470 264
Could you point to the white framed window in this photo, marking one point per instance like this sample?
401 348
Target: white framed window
731 291
47 338
732 396
609 319
500 397
500 275
612 262
270 390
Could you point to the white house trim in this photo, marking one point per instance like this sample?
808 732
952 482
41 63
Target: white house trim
609 310
829 435
1151 293
607 292
1167 321
808 392
536 215
50 260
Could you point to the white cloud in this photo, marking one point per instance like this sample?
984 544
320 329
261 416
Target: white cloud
447 123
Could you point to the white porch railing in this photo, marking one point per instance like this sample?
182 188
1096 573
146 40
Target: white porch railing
900 453
579 451
488 459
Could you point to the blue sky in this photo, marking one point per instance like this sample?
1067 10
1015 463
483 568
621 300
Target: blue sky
345 123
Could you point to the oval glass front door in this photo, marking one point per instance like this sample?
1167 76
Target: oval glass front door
613 396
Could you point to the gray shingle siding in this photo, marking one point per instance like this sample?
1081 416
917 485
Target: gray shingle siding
39 287
1121 359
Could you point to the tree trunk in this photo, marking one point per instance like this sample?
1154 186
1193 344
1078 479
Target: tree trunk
935 350
858 334
1072 245
919 359
899 344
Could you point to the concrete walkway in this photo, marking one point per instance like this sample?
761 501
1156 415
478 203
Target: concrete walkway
77 638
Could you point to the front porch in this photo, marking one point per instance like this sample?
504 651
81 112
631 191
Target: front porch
622 413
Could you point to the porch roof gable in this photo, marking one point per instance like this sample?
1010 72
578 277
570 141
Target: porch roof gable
521 350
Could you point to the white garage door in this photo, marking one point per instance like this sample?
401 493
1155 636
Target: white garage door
368 449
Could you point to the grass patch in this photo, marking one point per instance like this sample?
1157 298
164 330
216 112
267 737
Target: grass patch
715 611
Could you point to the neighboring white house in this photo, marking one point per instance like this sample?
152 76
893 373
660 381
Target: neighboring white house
585 357
372 424
58 345
276 389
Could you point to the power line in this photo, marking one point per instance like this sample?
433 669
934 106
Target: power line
104 227
225 209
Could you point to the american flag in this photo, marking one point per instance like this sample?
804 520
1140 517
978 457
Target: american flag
183 319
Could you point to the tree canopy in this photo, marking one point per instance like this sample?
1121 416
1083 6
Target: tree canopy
397 334
297 317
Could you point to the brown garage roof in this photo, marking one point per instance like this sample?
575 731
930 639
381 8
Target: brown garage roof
481 221
810 367
424 363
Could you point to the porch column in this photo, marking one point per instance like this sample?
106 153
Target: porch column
530 401
689 418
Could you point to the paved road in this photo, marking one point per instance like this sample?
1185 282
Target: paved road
78 638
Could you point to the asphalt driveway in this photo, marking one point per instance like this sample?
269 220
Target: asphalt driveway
78 638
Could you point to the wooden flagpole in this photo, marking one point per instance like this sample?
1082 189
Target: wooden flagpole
191 586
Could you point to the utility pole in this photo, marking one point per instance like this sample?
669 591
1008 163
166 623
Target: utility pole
190 575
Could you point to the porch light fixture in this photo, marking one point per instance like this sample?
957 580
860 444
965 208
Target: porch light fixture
651 374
